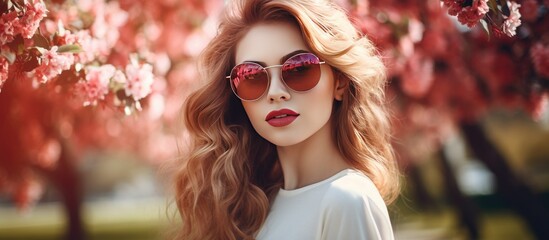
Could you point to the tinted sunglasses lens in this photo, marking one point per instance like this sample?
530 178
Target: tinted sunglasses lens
249 81
301 72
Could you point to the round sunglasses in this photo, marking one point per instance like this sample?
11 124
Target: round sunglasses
300 72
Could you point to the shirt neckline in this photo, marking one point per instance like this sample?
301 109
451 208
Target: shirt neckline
292 192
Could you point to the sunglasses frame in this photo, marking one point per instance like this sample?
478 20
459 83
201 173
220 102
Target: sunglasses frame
269 76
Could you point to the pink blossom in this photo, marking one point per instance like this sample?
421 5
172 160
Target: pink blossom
107 21
98 41
513 20
454 6
139 80
85 41
49 26
9 27
467 15
96 84
88 44
471 15
52 64
540 57
4 66
35 12
481 6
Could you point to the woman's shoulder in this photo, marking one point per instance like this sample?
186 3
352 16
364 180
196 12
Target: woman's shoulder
353 188
352 208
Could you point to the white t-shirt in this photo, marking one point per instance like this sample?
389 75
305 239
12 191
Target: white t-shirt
346 205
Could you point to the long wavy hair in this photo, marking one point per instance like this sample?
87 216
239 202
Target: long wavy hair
231 174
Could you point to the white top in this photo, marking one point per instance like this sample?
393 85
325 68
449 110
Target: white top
346 205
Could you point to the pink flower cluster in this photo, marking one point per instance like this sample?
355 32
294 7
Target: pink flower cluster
34 13
52 63
83 39
78 42
139 80
4 66
468 15
9 27
136 82
96 84
24 22
513 20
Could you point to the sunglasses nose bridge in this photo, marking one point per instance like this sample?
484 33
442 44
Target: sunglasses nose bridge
277 89
275 72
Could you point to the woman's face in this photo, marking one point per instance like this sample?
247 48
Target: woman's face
281 115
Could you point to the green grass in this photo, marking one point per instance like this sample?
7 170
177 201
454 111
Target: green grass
147 220
443 224
139 220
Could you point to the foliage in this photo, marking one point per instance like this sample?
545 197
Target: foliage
71 70
443 73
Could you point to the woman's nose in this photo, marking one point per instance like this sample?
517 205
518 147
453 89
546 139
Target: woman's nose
278 91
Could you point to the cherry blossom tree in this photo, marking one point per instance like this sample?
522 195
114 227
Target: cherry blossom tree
88 75
82 75
447 72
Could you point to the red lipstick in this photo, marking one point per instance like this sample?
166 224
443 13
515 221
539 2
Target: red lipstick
281 118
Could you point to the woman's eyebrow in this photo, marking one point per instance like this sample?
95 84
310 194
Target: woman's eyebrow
282 59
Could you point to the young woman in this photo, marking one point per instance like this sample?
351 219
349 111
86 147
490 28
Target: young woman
289 136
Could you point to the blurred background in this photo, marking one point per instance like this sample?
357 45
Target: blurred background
90 93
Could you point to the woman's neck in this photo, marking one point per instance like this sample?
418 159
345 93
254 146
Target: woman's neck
312 160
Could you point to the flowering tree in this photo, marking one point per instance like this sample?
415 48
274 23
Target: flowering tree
447 72
71 70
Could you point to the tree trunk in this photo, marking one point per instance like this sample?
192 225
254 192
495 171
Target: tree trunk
468 212
518 195
67 181
422 197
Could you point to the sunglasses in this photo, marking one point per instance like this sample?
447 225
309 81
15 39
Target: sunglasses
300 72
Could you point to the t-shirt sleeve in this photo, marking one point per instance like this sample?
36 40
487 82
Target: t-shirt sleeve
349 216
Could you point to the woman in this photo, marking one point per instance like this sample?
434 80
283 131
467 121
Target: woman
289 137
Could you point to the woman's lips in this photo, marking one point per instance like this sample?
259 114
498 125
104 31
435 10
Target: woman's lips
281 118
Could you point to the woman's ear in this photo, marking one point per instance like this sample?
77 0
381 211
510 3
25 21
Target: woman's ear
341 85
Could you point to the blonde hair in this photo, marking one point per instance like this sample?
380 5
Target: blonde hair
231 174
